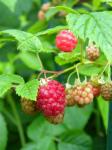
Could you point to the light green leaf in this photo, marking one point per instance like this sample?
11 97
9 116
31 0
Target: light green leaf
89 69
45 143
26 41
39 126
10 11
30 60
93 26
28 90
72 115
104 110
7 81
65 58
17 6
3 133
51 30
37 129
76 141
4 87
54 10
12 78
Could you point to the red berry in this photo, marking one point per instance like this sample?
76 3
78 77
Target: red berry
95 88
96 91
51 98
66 41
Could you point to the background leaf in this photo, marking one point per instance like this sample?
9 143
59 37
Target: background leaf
37 129
26 41
104 110
3 133
76 141
30 60
7 81
71 119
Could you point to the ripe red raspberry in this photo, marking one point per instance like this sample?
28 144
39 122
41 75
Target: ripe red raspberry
83 94
66 41
28 106
51 97
92 52
70 96
56 119
106 91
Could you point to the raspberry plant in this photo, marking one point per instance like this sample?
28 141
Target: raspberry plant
61 57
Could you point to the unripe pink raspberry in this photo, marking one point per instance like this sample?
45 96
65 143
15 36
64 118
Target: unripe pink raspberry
51 98
66 41
46 6
92 52
83 94
41 15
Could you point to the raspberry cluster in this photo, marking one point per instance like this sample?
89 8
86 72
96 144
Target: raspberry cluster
53 98
81 94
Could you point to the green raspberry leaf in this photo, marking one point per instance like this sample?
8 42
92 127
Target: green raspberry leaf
30 60
3 133
26 41
65 58
90 69
95 26
75 141
7 81
28 90
104 110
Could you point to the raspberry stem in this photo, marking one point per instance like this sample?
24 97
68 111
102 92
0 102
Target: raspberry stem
62 72
81 49
17 118
68 80
104 70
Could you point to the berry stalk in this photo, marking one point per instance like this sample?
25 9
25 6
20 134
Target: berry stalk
17 118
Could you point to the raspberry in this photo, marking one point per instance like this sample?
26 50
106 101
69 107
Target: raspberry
92 52
95 88
106 91
70 96
51 97
28 106
41 15
46 6
56 119
83 94
96 91
66 41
